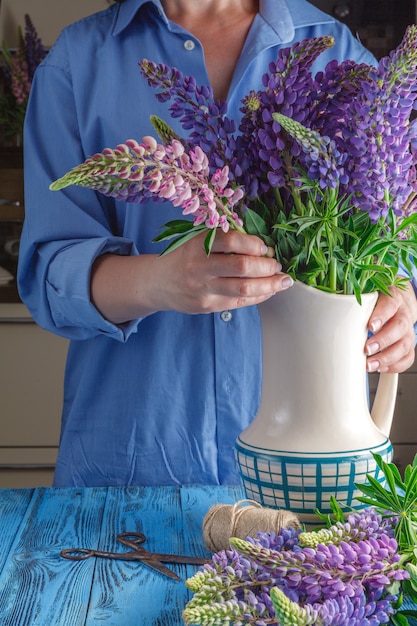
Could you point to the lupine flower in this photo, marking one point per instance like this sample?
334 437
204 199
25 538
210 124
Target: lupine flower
17 72
200 115
134 172
35 51
274 579
20 83
321 167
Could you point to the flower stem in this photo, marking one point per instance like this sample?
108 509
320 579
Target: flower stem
278 199
333 261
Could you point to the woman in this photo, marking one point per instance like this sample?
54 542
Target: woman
164 363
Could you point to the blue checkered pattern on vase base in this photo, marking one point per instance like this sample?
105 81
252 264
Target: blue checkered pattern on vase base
303 482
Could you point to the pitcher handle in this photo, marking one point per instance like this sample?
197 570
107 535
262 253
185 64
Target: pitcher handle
382 411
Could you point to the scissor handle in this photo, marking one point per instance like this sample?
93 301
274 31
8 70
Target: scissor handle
135 540
77 554
131 540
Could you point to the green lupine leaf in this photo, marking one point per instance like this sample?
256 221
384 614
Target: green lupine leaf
397 476
381 495
175 227
399 619
255 224
410 590
408 221
392 485
409 531
209 240
357 290
376 247
380 284
179 241
282 226
410 497
407 473
387 470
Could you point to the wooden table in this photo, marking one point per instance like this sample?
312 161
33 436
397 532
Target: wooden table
38 587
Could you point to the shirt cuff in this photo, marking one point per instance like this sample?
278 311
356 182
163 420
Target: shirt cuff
68 289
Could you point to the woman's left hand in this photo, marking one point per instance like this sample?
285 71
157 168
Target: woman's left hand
391 346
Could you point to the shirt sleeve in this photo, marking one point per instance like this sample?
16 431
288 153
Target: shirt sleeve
63 232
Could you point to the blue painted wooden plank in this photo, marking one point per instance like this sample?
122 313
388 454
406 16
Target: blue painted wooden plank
38 586
13 506
171 518
129 592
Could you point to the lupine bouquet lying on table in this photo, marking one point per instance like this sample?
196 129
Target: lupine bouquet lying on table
322 168
352 572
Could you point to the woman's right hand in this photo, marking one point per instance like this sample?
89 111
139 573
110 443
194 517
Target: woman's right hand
237 273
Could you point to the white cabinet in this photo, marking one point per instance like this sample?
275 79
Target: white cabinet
32 367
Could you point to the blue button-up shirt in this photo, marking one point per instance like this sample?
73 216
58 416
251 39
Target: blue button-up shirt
158 400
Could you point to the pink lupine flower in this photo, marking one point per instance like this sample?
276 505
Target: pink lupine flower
20 83
133 172
17 70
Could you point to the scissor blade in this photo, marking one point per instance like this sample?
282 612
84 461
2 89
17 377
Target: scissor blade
161 568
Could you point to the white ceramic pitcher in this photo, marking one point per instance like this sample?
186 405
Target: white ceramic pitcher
314 434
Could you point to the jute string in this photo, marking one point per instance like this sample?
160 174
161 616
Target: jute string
243 519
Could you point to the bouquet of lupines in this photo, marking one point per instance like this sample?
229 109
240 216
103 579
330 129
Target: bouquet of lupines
354 572
17 71
322 168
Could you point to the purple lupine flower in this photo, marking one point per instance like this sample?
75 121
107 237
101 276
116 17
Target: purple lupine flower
272 576
288 88
328 571
339 611
346 103
322 160
198 112
367 116
346 157
34 49
357 526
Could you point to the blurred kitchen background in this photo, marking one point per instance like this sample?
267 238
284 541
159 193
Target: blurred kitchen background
31 360
379 24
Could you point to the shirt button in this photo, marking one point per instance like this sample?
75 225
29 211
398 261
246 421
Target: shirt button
226 316
189 44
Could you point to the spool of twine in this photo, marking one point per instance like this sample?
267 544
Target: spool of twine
243 519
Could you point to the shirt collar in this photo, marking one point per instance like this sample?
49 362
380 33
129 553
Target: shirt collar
127 11
282 16
278 16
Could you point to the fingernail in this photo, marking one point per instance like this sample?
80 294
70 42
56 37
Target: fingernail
375 325
287 282
372 366
279 268
372 348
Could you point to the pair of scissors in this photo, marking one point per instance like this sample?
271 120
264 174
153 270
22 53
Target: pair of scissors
134 541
